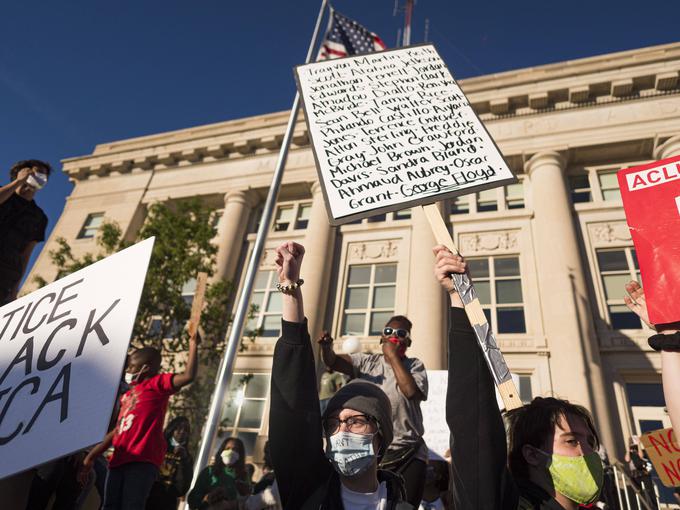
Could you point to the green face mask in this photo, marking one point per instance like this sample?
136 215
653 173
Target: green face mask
578 478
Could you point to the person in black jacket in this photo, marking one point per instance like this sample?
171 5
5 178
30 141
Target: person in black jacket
176 471
357 423
552 462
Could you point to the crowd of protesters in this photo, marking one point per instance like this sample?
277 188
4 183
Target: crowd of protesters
356 443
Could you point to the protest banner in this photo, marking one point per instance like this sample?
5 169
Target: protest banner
62 353
651 200
434 413
664 452
393 130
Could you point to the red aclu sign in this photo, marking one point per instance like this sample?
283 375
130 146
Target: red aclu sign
651 199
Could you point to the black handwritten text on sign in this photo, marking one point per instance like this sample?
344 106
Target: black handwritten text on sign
62 352
392 130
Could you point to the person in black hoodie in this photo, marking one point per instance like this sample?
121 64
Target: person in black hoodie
552 462
357 423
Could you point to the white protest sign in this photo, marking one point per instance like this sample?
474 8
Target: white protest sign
434 412
62 352
392 130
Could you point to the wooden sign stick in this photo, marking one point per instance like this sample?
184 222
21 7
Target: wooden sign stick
197 304
494 358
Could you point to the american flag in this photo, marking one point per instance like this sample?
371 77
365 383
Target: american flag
346 37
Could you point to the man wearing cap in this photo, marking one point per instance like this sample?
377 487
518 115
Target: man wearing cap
357 423
22 223
404 380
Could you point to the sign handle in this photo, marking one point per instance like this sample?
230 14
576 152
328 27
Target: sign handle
473 308
197 304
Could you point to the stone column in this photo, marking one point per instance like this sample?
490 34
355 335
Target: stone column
232 230
425 297
319 250
669 148
575 364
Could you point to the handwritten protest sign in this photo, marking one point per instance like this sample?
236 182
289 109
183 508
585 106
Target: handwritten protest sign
392 130
651 199
664 452
62 352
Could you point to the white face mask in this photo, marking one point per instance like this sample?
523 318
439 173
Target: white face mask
37 180
130 378
229 457
351 454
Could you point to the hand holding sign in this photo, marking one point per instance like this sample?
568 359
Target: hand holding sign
650 199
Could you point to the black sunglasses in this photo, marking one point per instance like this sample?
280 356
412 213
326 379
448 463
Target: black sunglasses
399 333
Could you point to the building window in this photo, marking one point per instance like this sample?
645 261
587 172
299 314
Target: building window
377 218
302 219
526 394
514 195
369 298
487 200
499 288
91 225
579 187
404 214
266 301
293 216
609 185
618 267
460 205
243 413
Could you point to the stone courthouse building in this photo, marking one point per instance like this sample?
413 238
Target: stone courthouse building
550 254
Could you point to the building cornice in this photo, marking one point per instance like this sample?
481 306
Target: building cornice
591 82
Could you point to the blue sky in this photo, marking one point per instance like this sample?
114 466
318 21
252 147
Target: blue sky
81 72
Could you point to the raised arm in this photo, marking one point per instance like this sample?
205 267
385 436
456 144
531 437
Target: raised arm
189 374
7 190
405 381
295 437
478 445
668 341
338 362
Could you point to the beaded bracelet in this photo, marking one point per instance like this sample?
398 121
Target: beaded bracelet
289 288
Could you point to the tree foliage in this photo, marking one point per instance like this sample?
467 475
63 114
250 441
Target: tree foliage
183 247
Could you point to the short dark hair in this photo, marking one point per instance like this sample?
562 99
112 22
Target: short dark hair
30 163
534 424
149 355
402 319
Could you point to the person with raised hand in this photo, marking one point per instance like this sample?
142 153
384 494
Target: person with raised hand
552 462
667 341
22 223
357 423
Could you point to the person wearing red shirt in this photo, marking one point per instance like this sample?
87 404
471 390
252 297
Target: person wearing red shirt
137 438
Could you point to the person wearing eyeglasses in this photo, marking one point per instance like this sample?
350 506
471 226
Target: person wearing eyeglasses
404 380
356 426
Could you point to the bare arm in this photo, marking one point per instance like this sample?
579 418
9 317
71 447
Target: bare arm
7 190
288 262
407 385
670 360
338 362
189 375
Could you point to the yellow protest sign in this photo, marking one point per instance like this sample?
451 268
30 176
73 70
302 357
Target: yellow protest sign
664 452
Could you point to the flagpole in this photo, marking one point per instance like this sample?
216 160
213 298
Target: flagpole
407 23
227 364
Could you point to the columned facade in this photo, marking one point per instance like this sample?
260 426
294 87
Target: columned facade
575 365
238 206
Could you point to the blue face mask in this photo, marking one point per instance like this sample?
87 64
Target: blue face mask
351 454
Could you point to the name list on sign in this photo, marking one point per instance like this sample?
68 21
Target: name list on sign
393 128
